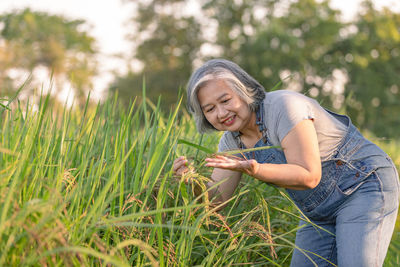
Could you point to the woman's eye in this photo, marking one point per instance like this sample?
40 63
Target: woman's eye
210 109
225 100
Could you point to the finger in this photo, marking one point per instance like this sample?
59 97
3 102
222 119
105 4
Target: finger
182 170
224 165
221 157
221 160
228 164
179 162
218 158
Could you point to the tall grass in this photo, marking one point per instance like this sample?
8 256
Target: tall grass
94 186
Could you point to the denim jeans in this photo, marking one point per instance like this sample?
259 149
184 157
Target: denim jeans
357 231
353 209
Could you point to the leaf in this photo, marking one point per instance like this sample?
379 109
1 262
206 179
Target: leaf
280 83
239 151
199 147
4 106
184 193
230 152
7 151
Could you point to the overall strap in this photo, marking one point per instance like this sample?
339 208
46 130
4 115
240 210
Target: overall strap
259 123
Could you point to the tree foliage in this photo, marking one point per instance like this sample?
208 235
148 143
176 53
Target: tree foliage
237 21
296 43
371 57
350 67
167 43
31 39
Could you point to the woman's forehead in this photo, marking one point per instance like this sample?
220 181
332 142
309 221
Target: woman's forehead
216 86
214 92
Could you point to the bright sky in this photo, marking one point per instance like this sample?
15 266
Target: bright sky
109 21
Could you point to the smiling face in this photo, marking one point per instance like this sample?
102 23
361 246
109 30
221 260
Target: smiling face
223 108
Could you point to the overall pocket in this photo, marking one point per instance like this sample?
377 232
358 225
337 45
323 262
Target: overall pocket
354 172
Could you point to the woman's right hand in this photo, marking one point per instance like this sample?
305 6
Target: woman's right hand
180 166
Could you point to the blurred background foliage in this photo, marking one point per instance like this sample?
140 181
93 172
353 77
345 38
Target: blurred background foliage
348 66
31 40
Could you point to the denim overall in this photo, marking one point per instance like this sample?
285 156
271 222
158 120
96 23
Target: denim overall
356 201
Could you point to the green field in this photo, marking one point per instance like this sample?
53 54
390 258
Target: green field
94 186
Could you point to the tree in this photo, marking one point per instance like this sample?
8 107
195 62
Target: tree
167 43
371 56
237 21
294 43
30 39
352 67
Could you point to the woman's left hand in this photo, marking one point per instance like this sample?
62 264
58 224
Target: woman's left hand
249 167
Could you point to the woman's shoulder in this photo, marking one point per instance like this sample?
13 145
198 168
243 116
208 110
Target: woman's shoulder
283 109
283 95
286 100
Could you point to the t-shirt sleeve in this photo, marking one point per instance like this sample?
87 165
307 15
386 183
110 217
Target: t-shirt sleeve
289 110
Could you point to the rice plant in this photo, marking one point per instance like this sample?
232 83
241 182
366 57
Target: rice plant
94 186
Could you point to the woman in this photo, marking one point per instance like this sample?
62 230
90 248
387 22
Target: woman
340 181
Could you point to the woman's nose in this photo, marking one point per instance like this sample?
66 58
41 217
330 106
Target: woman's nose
222 112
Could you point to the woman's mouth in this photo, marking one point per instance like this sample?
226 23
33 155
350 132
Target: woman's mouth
229 121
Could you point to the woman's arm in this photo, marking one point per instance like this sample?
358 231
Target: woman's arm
303 168
227 188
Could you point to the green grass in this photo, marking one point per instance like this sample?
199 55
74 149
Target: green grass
94 186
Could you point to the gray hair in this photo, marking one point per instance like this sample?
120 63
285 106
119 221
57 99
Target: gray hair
239 81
